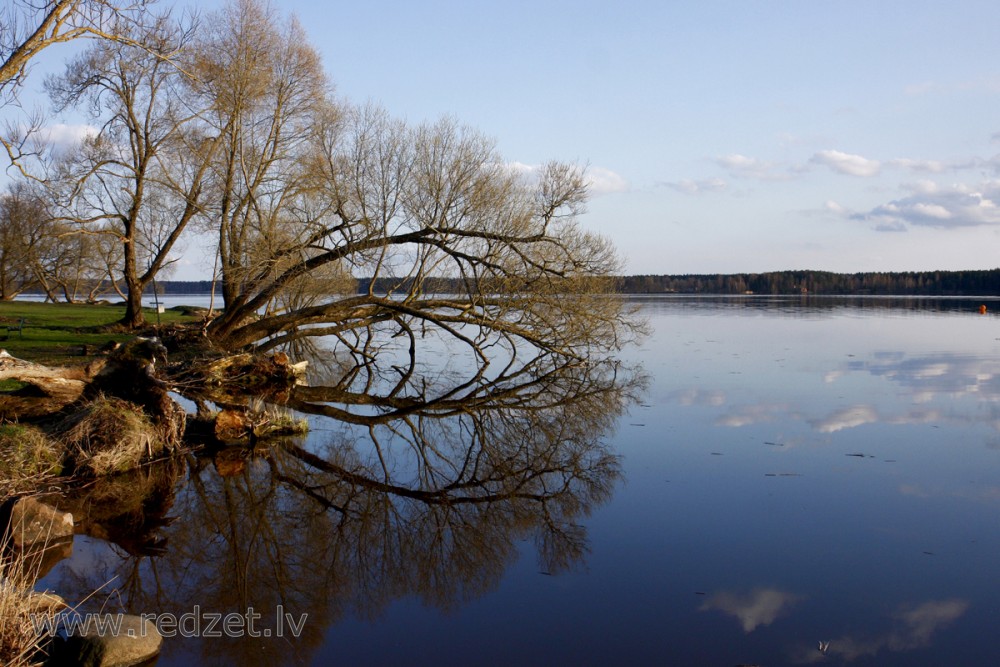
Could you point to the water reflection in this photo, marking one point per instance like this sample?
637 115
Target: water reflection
921 384
913 627
793 482
425 491
760 607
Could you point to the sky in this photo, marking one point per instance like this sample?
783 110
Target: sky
720 137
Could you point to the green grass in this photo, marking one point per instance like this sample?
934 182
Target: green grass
55 333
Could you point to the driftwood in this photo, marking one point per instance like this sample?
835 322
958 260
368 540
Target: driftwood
47 389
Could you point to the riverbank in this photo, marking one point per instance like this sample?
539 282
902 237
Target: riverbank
82 399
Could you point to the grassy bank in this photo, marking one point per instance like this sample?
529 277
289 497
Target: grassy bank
57 333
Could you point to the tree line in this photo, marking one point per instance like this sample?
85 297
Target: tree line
927 283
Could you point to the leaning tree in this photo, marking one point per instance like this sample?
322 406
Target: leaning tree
446 234
443 233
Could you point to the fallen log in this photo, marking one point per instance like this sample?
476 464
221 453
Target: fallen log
46 390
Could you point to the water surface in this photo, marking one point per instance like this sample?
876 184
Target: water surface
794 471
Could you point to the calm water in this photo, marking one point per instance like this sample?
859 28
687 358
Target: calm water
792 472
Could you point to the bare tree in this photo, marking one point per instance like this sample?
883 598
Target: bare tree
23 217
432 209
265 89
27 27
39 251
139 179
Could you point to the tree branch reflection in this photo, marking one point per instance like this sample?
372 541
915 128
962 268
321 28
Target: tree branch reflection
416 488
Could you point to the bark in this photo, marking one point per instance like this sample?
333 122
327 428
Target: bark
47 389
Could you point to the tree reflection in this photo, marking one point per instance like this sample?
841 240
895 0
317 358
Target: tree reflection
421 485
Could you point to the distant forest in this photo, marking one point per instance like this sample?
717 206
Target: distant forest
924 283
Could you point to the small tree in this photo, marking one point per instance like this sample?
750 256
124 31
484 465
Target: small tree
23 221
140 179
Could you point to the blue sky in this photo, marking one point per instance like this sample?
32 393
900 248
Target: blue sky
721 136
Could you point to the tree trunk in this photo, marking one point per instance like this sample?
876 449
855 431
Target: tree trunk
133 317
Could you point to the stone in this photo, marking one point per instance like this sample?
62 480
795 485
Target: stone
45 603
33 524
120 640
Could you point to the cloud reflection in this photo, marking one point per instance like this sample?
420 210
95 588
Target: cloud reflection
695 396
859 415
932 375
851 417
759 607
922 380
748 415
915 626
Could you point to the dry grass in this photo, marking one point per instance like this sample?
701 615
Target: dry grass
22 609
28 458
108 435
19 641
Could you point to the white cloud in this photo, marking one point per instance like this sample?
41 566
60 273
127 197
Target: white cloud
932 166
62 137
935 206
690 187
760 607
749 167
604 181
835 207
846 163
738 162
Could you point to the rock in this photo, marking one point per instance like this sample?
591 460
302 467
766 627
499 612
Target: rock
39 534
120 640
40 561
45 603
32 524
